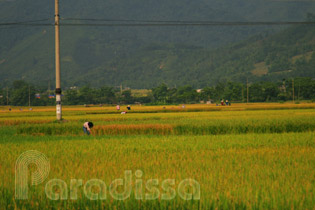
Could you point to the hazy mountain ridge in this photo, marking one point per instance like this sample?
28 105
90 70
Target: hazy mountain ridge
114 55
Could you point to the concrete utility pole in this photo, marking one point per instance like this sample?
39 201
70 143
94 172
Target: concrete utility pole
293 90
247 90
242 93
29 95
57 54
7 96
299 92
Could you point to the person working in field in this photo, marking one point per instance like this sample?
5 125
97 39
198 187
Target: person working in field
87 127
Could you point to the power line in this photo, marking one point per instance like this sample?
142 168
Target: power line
12 25
152 23
25 22
193 21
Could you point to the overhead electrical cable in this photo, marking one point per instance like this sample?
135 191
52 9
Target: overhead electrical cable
25 22
150 23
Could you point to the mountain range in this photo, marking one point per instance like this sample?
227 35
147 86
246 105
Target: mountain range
143 57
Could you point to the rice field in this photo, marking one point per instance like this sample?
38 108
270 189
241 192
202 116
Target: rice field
244 156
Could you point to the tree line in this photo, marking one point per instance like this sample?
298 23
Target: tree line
21 93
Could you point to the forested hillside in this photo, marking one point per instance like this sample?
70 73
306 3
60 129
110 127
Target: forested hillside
143 57
287 54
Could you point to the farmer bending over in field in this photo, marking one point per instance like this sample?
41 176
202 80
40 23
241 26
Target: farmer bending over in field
87 127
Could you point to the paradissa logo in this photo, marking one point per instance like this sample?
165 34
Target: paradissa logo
96 189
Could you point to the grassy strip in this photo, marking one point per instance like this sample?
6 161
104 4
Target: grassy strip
168 129
203 109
